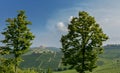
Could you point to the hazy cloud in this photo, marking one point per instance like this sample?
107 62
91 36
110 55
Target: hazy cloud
71 17
61 27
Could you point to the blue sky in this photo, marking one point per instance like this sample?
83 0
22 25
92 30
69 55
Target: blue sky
50 17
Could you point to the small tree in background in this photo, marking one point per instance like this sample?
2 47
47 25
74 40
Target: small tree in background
83 43
17 38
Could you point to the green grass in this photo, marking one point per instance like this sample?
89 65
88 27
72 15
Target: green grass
114 68
68 71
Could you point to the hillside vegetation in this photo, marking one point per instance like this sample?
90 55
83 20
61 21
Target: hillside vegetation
109 61
42 58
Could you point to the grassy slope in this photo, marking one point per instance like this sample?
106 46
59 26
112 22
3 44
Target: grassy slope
68 71
108 68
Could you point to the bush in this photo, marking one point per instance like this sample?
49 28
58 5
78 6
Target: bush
29 71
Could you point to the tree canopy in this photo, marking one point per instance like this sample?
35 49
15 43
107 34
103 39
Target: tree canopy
17 39
83 43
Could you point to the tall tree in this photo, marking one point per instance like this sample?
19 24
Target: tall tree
83 43
17 37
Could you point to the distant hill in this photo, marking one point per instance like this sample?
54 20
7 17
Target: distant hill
37 57
112 46
50 57
53 49
47 48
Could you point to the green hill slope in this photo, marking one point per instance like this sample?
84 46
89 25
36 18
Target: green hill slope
45 58
42 58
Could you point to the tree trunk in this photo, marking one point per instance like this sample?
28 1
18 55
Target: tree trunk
15 68
15 65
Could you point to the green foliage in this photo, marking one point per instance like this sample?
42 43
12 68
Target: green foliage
17 37
49 70
10 69
83 43
6 66
29 71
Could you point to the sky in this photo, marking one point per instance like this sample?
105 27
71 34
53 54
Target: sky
50 17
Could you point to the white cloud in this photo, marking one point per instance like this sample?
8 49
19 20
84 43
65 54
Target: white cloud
61 27
71 17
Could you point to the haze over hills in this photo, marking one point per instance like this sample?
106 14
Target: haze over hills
112 46
47 48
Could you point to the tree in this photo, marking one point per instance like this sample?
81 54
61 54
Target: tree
17 38
83 43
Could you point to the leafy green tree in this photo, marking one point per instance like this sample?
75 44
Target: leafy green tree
6 66
83 43
17 38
